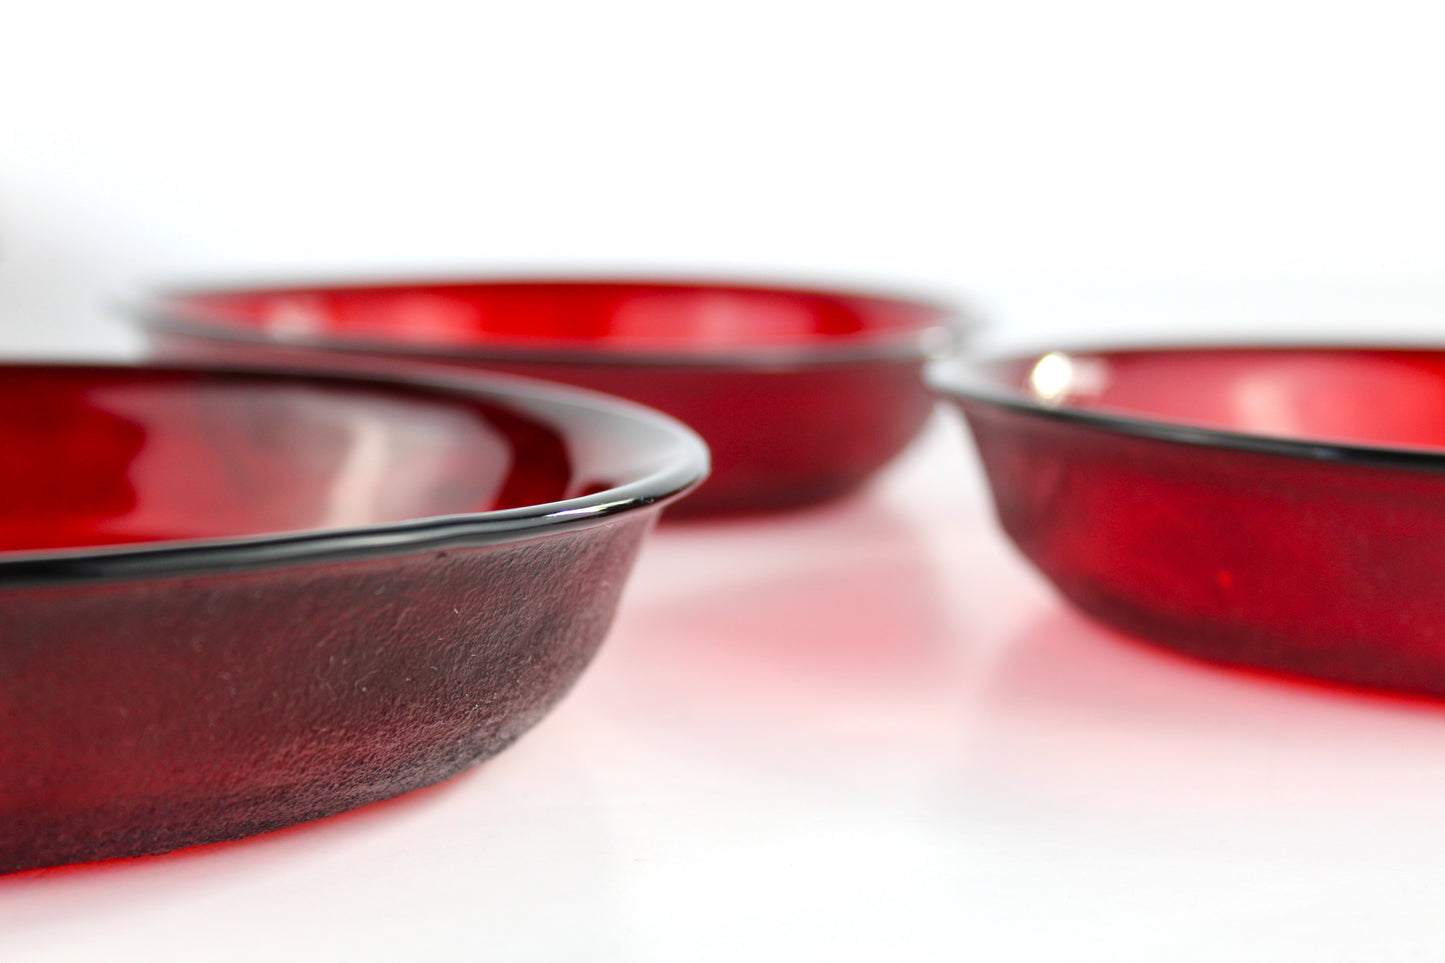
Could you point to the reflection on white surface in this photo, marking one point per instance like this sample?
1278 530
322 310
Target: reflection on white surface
838 646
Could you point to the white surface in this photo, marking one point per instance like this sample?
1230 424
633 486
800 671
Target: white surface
997 150
862 733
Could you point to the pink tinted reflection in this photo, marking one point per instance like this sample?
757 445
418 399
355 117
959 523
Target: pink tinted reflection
1087 724
825 635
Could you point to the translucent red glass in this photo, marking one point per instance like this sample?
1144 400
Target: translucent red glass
90 457
1278 508
234 601
801 395
637 318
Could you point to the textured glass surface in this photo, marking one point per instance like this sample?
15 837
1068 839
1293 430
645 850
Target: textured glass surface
1276 508
233 601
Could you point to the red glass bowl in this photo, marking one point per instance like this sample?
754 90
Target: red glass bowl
233 600
801 395
1282 508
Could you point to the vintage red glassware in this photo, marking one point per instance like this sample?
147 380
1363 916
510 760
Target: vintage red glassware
801 395
1282 508
233 600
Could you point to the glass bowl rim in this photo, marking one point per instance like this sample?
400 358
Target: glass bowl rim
965 379
684 455
156 311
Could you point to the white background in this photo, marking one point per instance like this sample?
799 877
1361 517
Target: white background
1039 158
866 732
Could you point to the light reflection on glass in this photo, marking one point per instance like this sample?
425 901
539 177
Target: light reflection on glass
1051 377
1058 378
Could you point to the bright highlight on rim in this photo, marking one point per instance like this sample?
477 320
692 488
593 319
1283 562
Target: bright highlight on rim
1051 377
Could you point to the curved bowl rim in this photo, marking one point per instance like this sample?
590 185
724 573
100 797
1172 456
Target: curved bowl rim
687 465
964 379
155 312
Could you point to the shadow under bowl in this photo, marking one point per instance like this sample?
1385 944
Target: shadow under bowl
801 395
1281 508
235 600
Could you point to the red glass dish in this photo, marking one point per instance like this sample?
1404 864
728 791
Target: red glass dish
233 600
1282 508
801 395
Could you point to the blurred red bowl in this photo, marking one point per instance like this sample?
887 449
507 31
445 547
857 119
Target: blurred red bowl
236 600
801 395
1282 508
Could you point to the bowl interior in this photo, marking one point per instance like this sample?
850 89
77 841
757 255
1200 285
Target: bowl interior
619 317
1388 398
106 455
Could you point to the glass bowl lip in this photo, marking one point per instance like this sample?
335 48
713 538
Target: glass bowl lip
687 463
964 379
156 311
